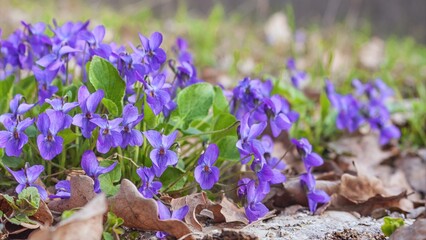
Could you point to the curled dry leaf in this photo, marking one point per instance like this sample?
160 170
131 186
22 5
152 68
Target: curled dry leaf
43 214
81 193
142 213
85 224
417 231
231 212
365 151
199 204
193 201
365 194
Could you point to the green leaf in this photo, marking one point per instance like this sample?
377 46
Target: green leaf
31 131
1 153
67 213
170 176
108 180
13 162
227 148
223 121
28 201
103 75
112 225
68 135
27 86
149 117
6 87
220 103
391 224
110 106
107 236
195 101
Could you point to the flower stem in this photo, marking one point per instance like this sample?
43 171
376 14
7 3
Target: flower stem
211 132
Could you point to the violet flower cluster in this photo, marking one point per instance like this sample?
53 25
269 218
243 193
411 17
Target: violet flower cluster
31 50
366 106
254 105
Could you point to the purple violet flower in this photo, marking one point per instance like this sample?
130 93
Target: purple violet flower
254 208
14 139
88 104
27 176
94 41
17 108
149 188
49 124
90 165
164 213
151 51
297 77
181 50
63 190
389 132
131 118
186 75
157 95
242 187
44 79
281 117
248 134
310 159
59 105
205 173
109 134
161 155
57 58
315 196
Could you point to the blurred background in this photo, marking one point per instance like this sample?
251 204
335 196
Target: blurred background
333 39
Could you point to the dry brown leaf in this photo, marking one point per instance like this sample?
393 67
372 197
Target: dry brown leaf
85 224
231 212
364 150
43 214
364 194
415 171
81 193
199 204
192 201
417 231
142 213
292 193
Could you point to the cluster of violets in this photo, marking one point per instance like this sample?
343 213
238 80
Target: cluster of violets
31 50
366 105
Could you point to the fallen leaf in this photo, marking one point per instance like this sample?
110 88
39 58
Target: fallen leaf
365 194
293 193
199 204
414 168
43 214
81 193
365 151
142 213
192 201
416 231
231 212
85 224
